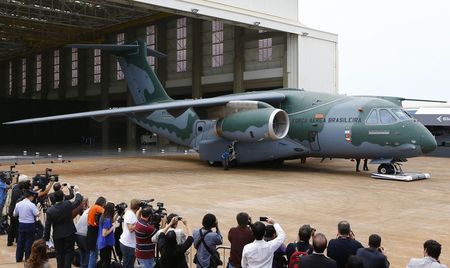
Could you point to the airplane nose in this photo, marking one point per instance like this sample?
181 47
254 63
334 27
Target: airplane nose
428 143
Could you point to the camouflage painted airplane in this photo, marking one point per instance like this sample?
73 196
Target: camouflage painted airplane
270 125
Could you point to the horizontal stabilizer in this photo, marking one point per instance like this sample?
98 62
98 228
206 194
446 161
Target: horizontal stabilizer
172 105
118 48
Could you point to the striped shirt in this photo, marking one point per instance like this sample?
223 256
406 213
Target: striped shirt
145 248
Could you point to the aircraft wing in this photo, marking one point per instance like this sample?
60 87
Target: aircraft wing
176 104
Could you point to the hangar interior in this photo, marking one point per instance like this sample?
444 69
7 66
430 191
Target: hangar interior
212 47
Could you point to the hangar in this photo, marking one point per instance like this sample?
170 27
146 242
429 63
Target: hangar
436 119
213 47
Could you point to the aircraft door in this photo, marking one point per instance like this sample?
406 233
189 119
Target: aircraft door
314 141
200 130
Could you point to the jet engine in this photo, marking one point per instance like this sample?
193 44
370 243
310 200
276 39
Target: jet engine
254 125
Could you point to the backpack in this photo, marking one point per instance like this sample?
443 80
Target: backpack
295 258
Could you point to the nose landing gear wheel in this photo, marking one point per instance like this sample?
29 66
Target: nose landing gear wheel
386 169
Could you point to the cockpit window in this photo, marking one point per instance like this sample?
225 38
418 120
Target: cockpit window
372 119
386 117
402 115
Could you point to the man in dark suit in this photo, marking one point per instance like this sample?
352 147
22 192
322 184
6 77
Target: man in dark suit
344 245
373 256
317 259
60 216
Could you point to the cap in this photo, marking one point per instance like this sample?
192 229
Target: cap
23 177
30 192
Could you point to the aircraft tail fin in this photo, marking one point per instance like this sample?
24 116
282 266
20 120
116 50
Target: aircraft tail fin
142 81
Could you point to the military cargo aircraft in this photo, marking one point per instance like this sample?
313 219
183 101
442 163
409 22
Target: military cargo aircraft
270 125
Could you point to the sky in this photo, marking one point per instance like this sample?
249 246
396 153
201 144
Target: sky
387 47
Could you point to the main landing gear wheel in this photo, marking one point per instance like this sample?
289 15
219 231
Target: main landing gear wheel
386 169
212 163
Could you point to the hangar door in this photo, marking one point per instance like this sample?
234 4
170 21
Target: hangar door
318 65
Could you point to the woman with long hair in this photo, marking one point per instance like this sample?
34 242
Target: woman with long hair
38 257
172 254
105 240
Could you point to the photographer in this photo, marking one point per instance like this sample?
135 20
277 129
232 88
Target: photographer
260 253
128 238
3 192
205 241
92 230
105 241
26 211
172 253
17 193
56 187
145 248
60 217
344 245
181 236
373 256
81 235
302 244
239 237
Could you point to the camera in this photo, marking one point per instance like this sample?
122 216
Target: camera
7 176
120 209
41 180
145 203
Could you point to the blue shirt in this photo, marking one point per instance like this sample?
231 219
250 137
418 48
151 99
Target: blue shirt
3 188
105 241
212 239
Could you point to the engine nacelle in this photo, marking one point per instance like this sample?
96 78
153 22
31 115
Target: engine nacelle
254 125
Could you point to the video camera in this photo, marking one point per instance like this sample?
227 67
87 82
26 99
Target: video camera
42 180
7 176
120 209
156 214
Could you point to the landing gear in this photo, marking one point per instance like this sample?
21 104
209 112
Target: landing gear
212 163
393 168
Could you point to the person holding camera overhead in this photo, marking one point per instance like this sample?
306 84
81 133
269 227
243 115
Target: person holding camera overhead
105 241
260 253
172 253
205 241
60 217
26 211
239 237
344 245
56 187
145 248
128 238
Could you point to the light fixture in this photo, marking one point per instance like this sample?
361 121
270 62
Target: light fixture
305 34
194 10
256 23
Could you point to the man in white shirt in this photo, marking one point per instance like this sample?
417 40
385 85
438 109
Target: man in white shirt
128 238
259 253
431 252
27 212
81 237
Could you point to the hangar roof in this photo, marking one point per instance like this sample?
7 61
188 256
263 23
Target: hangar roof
27 26
31 26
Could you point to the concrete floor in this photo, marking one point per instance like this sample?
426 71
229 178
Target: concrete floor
321 194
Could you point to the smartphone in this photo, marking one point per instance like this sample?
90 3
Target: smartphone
263 218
